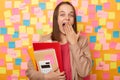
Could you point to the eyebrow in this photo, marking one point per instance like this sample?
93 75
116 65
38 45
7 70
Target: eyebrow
70 11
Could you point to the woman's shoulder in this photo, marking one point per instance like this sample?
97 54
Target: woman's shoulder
46 38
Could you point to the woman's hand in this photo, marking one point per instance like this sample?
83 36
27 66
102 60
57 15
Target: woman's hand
71 36
55 76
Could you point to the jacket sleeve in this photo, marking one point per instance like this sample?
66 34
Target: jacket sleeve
81 57
32 74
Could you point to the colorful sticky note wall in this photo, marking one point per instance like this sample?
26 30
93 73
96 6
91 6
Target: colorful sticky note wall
23 22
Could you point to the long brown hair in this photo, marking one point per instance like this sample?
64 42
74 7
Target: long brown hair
56 32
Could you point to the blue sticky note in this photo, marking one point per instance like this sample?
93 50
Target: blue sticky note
98 8
18 61
79 18
116 34
11 44
117 0
42 6
15 35
26 22
97 28
93 39
3 30
118 69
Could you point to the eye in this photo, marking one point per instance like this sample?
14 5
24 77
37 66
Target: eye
62 14
71 15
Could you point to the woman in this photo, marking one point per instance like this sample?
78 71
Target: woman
76 55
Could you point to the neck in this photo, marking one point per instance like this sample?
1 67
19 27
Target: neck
63 39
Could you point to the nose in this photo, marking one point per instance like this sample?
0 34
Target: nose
67 18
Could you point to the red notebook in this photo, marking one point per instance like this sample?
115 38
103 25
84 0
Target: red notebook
47 45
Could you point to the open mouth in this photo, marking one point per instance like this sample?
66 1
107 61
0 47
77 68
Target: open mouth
63 24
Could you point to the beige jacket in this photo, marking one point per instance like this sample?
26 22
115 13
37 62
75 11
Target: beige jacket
81 62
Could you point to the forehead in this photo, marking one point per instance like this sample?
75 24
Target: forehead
65 7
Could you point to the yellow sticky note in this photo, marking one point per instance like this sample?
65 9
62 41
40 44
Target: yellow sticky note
8 22
98 46
113 65
102 21
98 60
98 38
2 70
22 29
18 52
42 19
8 58
118 6
33 20
94 1
52 0
25 42
49 5
103 1
106 57
1 39
10 30
80 27
26 10
85 10
30 30
108 36
47 29
17 4
7 13
34 2
16 72
111 15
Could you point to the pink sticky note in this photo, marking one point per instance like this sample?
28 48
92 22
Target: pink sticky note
117 46
85 3
91 8
39 25
106 5
113 44
109 25
106 67
80 12
91 15
93 77
9 66
2 62
102 14
7 38
74 2
102 40
113 57
26 16
27 1
2 23
18 43
22 73
15 11
16 26
50 13
96 54
8 4
94 23
38 12
24 51
12 53
49 57
84 18
22 6
14 77
91 45
32 9
99 68
89 29
106 46
36 38
15 18
9 78
101 33
3 49
106 76
24 65
118 56
116 77
23 35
